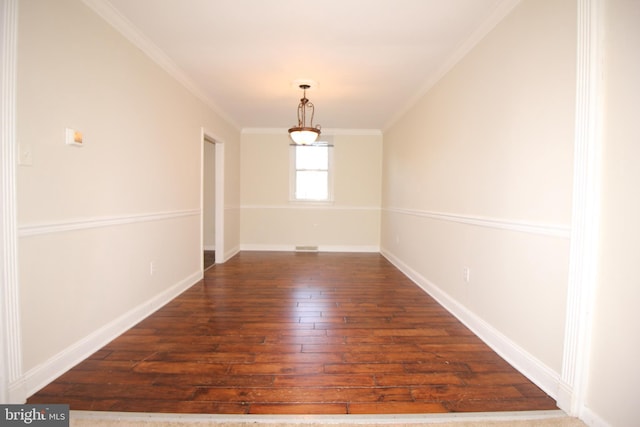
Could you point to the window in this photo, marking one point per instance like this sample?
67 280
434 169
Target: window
311 173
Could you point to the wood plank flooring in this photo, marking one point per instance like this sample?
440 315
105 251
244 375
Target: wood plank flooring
208 259
305 333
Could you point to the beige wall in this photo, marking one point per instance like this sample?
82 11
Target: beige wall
93 219
614 374
478 174
271 221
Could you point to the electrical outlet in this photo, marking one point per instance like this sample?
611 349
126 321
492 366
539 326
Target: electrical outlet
152 268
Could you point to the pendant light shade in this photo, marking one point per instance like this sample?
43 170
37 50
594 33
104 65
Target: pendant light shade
303 134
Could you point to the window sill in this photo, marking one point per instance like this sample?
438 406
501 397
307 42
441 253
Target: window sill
312 202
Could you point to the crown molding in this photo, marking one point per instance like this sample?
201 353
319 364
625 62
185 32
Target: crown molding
501 10
112 16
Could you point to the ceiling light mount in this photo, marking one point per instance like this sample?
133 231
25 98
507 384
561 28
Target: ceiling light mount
312 84
303 134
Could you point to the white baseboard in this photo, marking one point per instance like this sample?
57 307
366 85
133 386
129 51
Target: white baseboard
43 374
536 371
269 248
17 393
565 397
327 248
209 247
229 254
592 419
321 248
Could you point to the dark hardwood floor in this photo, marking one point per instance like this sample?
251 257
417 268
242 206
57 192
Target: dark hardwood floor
286 333
209 259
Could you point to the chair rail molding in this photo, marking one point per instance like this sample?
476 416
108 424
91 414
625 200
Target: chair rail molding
98 222
553 230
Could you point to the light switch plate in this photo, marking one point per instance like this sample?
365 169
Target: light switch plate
73 137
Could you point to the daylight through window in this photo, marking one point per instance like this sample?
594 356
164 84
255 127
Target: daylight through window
311 173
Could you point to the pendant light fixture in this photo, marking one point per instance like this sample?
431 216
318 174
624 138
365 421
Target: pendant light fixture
303 134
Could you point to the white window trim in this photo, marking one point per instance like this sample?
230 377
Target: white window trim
292 178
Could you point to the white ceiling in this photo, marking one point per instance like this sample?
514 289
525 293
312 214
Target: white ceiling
370 58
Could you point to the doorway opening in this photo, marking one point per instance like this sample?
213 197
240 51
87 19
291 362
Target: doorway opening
212 201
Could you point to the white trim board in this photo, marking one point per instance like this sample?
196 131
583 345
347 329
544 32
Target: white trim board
227 255
122 25
46 372
313 206
90 223
321 248
207 137
592 419
11 388
553 230
539 373
502 9
583 262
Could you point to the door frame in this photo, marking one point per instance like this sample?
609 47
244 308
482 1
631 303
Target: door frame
207 137
12 388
